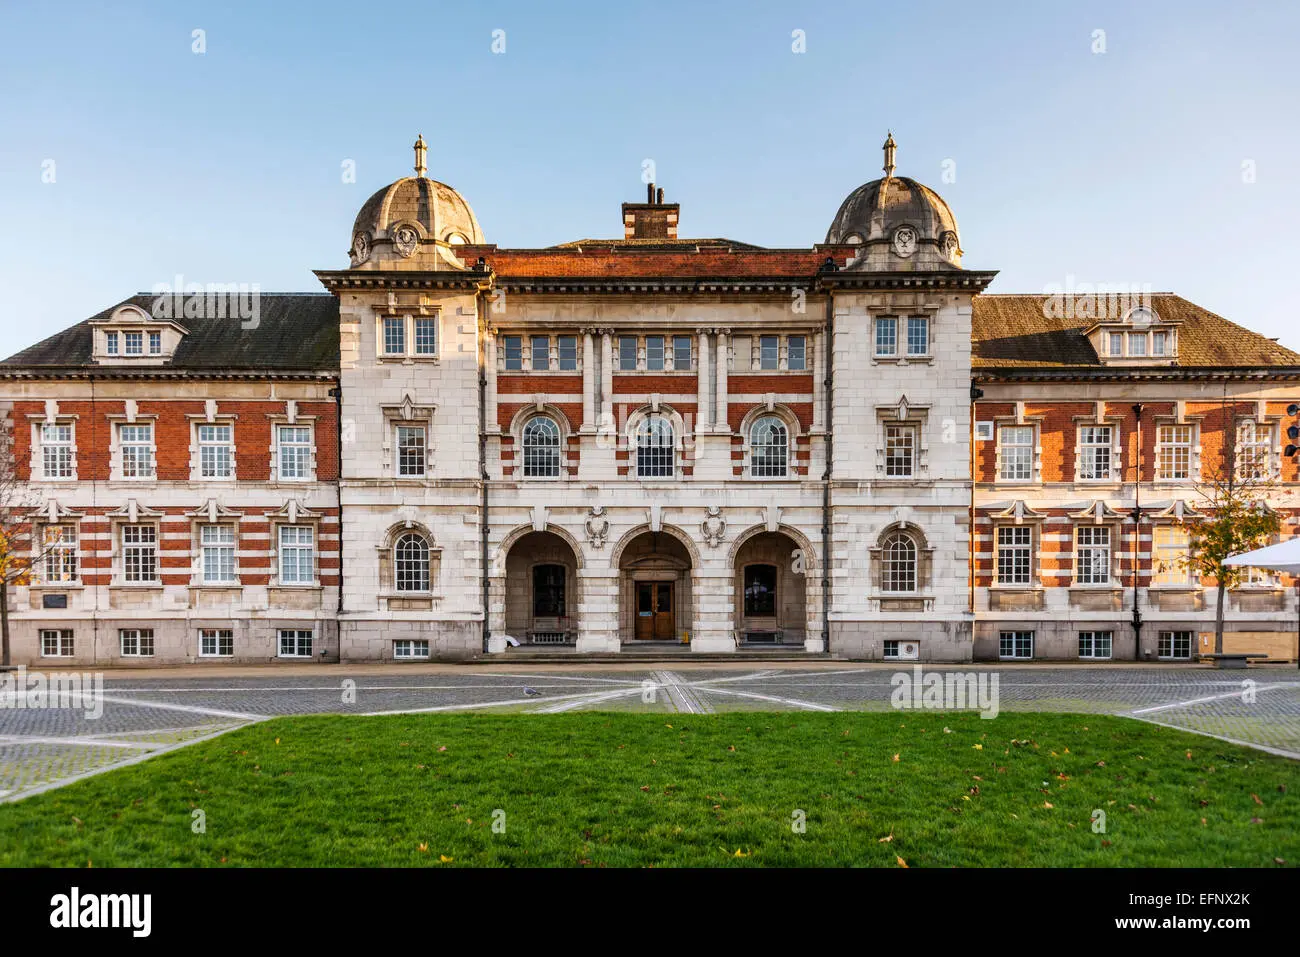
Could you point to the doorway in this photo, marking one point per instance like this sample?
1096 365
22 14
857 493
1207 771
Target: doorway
655 612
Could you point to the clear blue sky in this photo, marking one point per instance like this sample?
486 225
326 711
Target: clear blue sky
1122 166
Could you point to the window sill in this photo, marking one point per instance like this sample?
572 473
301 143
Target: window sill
297 586
1109 586
1017 588
56 586
902 360
137 586
406 360
216 586
1174 588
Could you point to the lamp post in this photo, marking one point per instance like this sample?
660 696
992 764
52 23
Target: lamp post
1293 433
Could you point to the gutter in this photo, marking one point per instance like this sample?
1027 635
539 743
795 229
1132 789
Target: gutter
484 524
826 475
337 394
1137 531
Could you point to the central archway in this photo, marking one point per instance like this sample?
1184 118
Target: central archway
541 589
656 597
771 588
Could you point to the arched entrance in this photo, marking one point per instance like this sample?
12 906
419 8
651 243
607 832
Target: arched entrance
541 590
771 589
655 594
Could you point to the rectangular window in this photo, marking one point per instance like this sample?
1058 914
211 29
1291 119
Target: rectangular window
797 353
1092 555
1254 450
56 643
136 442
918 336
1175 645
56 451
1016 644
110 343
654 352
1170 547
135 343
900 451
217 543
297 555
627 353
140 553
682 353
410 451
216 451
1174 452
1160 343
59 544
295 643
541 353
216 643
394 335
886 336
1095 644
1117 343
155 343
426 335
769 352
1015 554
294 442
136 642
514 353
1016 451
1094 452
891 648
1137 343
568 353
411 648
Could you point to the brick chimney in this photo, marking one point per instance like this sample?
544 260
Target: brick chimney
653 219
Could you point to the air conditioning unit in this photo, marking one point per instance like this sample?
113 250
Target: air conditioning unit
983 431
909 650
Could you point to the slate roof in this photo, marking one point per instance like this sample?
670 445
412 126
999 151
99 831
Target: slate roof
295 332
1018 331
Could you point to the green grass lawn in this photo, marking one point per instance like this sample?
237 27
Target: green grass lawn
617 790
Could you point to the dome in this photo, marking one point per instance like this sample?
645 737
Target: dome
901 223
416 220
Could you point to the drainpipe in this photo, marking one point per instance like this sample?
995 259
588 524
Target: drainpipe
976 393
336 394
481 303
1137 533
826 475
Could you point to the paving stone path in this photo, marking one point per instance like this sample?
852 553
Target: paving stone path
140 717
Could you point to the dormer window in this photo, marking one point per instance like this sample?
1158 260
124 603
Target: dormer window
135 343
110 343
155 343
1138 336
132 335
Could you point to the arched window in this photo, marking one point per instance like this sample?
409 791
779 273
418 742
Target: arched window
411 555
655 456
541 448
899 570
769 445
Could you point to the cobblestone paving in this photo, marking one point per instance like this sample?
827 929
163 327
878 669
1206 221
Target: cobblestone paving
43 747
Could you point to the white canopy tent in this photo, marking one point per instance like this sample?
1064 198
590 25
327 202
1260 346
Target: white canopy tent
1284 557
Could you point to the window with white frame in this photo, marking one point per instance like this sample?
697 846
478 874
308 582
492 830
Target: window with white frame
411 648
654 353
1016 644
656 455
426 335
134 343
1137 344
57 451
59 553
898 557
769 447
139 553
1173 452
56 643
1015 545
1092 555
886 336
137 450
293 452
541 353
514 353
411 563
394 335
217 548
1116 344
1095 644
295 642
797 353
111 343
1254 450
1016 453
155 343
1160 343
900 451
135 642
627 353
216 451
1170 548
411 451
769 352
918 336
1095 452
682 353
1175 645
1259 578
216 643
568 353
297 553
541 444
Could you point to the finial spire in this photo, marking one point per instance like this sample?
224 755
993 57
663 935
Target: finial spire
889 148
421 150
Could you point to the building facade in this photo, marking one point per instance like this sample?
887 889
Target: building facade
462 449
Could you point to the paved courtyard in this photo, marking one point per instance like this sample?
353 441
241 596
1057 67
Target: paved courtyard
143 714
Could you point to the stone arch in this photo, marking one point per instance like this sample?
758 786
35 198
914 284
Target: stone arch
513 586
759 559
616 555
514 535
384 550
800 539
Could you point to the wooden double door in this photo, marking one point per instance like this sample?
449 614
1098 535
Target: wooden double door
656 612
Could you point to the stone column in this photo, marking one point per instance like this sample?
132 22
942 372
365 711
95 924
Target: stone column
607 377
490 373
819 387
720 412
702 418
588 381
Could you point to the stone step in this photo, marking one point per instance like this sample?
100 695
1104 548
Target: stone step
570 657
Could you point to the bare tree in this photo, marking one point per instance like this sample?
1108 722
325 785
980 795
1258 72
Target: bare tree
19 555
1238 518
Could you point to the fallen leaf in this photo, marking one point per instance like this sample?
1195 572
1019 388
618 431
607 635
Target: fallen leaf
1257 800
1189 755
424 848
978 747
896 757
1278 860
1202 822
443 748
901 862
947 730
277 740
1101 764
445 859
740 853
645 787
1047 804
1105 843
886 839
731 747
1256 820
